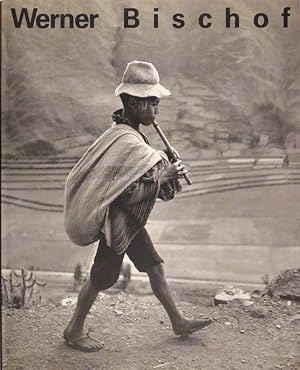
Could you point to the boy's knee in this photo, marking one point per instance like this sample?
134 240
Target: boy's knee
104 284
156 271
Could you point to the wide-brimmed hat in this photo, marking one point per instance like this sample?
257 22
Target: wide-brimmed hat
141 79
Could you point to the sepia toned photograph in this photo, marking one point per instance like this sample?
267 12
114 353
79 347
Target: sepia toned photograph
150 193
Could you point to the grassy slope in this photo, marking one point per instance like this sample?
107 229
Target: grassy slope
58 84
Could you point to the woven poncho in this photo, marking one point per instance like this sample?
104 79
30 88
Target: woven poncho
116 159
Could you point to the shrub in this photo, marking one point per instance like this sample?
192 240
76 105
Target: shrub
20 290
37 148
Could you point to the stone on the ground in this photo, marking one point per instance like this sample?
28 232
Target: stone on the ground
295 318
71 301
286 285
229 294
257 312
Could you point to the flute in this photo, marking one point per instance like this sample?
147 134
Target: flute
170 150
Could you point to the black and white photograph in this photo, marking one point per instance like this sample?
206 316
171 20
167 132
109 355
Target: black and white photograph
150 193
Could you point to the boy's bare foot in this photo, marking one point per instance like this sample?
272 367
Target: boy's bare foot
83 342
189 326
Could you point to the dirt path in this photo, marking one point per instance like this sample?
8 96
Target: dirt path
137 335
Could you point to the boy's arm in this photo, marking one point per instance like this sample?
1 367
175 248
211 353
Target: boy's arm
138 191
168 190
149 185
146 187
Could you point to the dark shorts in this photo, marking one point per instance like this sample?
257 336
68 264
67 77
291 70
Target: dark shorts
107 263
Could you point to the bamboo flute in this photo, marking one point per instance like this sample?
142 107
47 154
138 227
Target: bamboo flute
169 148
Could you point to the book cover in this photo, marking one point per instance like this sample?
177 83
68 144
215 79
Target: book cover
234 117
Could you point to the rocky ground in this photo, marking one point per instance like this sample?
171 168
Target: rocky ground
263 333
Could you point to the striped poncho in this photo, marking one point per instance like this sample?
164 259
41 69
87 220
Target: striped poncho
117 159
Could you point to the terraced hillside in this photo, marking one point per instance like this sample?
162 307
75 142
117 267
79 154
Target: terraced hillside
232 89
238 221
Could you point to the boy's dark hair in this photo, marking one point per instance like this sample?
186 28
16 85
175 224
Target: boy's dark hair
140 103
125 98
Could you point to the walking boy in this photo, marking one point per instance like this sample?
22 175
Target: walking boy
109 196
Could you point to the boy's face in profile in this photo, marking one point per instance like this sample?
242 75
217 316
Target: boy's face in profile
147 116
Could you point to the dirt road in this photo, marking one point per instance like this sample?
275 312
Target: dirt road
137 335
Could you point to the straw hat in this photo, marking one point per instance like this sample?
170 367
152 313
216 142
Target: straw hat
141 79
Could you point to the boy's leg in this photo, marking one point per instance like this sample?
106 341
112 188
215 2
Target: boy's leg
104 273
181 325
144 256
74 333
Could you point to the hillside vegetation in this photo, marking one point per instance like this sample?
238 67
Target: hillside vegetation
229 86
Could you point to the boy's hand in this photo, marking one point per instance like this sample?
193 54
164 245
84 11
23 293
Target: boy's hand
174 171
175 153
